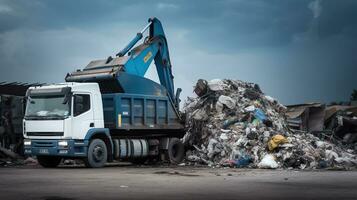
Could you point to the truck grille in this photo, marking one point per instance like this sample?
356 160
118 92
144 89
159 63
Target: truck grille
47 144
44 133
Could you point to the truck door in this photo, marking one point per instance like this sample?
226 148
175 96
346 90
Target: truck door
83 118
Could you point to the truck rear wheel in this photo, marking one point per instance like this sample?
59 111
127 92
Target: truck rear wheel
49 161
176 151
97 154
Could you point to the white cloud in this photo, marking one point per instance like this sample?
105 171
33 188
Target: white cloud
5 9
57 50
312 33
315 7
165 6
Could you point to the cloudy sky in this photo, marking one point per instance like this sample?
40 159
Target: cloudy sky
296 50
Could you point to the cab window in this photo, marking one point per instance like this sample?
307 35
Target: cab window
81 104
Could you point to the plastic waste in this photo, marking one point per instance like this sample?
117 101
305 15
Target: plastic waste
251 94
331 154
219 107
256 126
259 114
216 85
227 101
270 99
275 141
201 87
256 122
200 115
243 161
229 122
250 108
268 162
211 147
223 136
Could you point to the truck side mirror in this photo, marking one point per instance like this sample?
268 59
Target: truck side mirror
67 98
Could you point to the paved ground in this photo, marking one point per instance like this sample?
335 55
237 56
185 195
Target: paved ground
131 182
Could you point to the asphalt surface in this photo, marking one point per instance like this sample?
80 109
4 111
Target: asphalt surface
135 182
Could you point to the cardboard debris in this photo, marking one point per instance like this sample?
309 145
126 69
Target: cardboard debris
233 123
307 117
337 123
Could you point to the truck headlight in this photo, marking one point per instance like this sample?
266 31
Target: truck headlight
63 143
27 142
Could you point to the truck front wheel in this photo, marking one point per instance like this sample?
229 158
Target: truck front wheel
49 161
97 154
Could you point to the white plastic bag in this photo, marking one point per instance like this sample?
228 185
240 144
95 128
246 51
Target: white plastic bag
216 85
227 101
268 162
200 114
250 108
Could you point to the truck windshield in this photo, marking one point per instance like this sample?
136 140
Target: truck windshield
47 107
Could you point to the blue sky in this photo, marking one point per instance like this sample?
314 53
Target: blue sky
296 50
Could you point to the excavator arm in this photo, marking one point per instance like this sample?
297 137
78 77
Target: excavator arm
136 61
154 48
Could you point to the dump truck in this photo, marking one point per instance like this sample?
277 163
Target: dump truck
109 111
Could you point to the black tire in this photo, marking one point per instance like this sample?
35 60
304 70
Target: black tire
138 161
176 151
49 161
97 154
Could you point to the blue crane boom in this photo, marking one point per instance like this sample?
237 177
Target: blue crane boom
154 48
136 61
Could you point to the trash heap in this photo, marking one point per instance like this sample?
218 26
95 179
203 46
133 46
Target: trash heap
335 123
341 121
232 123
9 158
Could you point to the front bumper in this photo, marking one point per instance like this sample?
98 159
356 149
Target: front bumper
75 148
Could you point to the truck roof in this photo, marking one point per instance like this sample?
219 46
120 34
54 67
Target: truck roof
86 87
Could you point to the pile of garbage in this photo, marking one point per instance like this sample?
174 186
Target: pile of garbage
342 123
335 123
232 123
10 158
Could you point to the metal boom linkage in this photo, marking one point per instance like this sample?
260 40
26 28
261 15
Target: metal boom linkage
154 48
135 61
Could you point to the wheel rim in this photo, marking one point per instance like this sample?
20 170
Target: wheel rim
98 153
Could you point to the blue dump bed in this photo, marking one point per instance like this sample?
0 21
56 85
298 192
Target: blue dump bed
133 105
139 112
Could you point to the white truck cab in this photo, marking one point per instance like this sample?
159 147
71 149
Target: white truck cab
58 117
